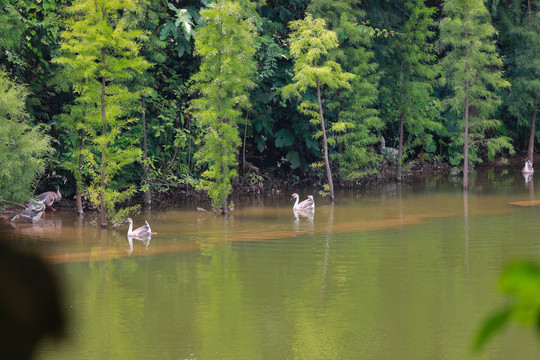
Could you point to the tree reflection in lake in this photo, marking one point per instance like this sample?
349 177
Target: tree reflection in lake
382 274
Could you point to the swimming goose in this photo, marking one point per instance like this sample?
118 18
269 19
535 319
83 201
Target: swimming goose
139 232
528 168
308 204
50 197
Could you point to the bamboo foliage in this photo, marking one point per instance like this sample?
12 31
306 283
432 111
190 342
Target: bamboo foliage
101 54
310 42
225 44
473 74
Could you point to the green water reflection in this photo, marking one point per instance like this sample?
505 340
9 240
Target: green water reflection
388 273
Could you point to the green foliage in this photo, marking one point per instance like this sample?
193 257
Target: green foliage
522 282
355 117
11 26
472 74
407 87
225 44
310 42
24 148
101 54
180 29
520 38
39 23
386 46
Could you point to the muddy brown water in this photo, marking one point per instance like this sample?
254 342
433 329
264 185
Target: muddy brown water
389 272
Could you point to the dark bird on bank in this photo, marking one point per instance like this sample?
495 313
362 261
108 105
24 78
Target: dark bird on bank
50 197
308 204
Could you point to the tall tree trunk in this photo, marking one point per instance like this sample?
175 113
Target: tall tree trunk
466 140
102 205
401 123
325 145
147 201
78 198
225 209
530 152
243 174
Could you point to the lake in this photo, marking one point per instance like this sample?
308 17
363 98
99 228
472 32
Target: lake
388 272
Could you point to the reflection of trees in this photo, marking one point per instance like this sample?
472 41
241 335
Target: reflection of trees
466 227
327 238
529 183
334 294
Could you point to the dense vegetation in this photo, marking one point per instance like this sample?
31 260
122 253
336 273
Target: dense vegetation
155 96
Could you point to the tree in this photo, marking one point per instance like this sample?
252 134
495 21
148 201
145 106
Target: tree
11 27
30 60
410 81
101 55
355 117
473 77
148 17
521 38
310 42
225 44
24 147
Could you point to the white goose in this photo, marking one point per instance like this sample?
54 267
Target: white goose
308 204
528 168
143 231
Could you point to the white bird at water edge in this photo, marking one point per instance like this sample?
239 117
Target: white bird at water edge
528 168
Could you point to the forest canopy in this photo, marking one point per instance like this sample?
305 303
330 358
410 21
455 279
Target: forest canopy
132 97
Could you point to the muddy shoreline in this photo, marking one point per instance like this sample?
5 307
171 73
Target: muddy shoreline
411 170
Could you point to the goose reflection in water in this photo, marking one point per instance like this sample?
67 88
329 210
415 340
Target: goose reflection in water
304 217
145 240
527 176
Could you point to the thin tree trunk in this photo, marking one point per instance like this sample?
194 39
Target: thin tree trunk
325 145
147 201
78 198
244 154
224 210
466 140
102 205
530 152
401 123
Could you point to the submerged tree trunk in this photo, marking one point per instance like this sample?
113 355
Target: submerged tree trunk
325 145
102 205
147 201
78 192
